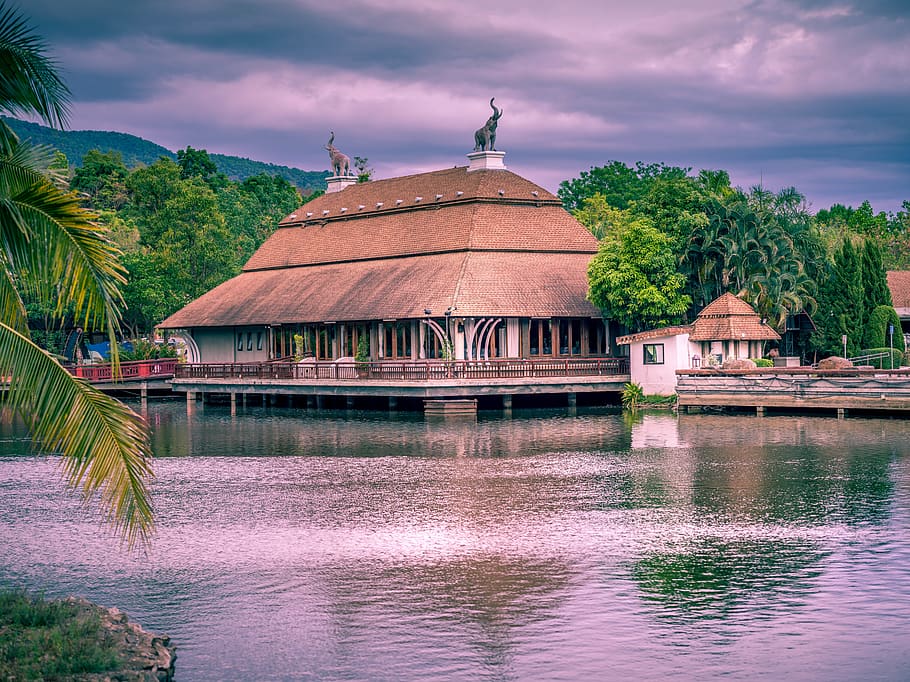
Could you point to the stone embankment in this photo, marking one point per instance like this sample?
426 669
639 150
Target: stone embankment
146 657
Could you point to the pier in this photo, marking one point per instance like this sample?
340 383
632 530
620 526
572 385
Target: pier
496 380
796 389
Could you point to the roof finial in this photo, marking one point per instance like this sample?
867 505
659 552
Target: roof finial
485 138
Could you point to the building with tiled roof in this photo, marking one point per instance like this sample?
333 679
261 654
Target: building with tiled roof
899 285
469 262
727 328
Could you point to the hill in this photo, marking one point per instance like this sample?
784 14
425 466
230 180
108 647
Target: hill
136 150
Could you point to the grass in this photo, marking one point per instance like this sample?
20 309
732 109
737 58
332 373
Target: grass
42 639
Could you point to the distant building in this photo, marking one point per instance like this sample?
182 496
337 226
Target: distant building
469 263
899 284
727 328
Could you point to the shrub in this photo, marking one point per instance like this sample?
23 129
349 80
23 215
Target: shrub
142 349
896 356
763 362
632 395
877 328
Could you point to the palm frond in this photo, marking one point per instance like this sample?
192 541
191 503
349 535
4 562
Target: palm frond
29 83
53 246
105 444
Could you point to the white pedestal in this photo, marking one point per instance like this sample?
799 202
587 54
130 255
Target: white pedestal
486 161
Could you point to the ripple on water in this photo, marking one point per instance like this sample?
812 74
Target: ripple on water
352 546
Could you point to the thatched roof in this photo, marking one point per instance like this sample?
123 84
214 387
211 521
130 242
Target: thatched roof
729 318
491 244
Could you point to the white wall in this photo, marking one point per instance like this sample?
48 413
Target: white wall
219 344
660 379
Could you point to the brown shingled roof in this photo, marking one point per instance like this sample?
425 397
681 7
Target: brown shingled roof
899 284
662 332
537 285
502 247
479 219
728 318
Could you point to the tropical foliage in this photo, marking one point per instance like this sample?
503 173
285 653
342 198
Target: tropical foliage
763 246
54 254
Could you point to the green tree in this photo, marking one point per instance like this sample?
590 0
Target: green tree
840 303
102 178
618 183
51 250
633 277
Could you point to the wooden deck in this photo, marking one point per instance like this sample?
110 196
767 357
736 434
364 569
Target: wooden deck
417 380
796 389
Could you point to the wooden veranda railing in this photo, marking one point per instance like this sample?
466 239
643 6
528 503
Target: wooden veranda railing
406 371
138 370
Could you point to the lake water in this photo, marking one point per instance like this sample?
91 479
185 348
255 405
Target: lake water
369 546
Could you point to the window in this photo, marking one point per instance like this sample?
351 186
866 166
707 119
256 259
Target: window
240 341
258 340
654 353
541 338
249 340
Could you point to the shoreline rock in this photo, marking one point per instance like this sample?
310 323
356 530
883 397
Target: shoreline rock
147 657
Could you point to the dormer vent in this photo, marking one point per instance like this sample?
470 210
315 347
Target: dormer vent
360 207
458 194
417 200
398 202
502 192
325 212
344 209
535 193
378 204
292 216
309 214
438 197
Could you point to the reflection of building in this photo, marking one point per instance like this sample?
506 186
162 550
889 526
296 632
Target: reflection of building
727 328
470 263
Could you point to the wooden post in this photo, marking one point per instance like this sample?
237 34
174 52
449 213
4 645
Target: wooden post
349 402
393 403
190 402
233 404
759 411
841 412
507 402
320 402
310 402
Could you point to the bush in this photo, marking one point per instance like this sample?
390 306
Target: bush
632 395
763 362
884 362
877 329
146 350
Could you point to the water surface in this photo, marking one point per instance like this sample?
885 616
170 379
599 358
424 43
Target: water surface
364 546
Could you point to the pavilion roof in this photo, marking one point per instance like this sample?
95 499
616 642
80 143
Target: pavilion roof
730 318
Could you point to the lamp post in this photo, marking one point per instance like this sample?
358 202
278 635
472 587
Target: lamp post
891 343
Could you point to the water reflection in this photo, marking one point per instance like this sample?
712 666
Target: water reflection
348 545
717 579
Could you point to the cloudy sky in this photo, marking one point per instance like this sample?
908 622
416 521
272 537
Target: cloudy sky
811 93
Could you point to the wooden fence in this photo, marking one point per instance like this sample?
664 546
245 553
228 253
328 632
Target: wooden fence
406 371
139 370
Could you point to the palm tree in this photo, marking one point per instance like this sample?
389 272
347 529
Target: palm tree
52 251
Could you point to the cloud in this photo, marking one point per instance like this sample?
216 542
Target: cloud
779 83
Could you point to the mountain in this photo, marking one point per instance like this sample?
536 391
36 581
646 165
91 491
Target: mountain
135 151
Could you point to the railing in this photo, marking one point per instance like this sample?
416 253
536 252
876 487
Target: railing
429 370
138 370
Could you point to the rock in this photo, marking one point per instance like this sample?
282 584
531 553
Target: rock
734 363
834 362
147 657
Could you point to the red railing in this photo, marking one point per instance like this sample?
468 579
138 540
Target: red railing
406 371
139 370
